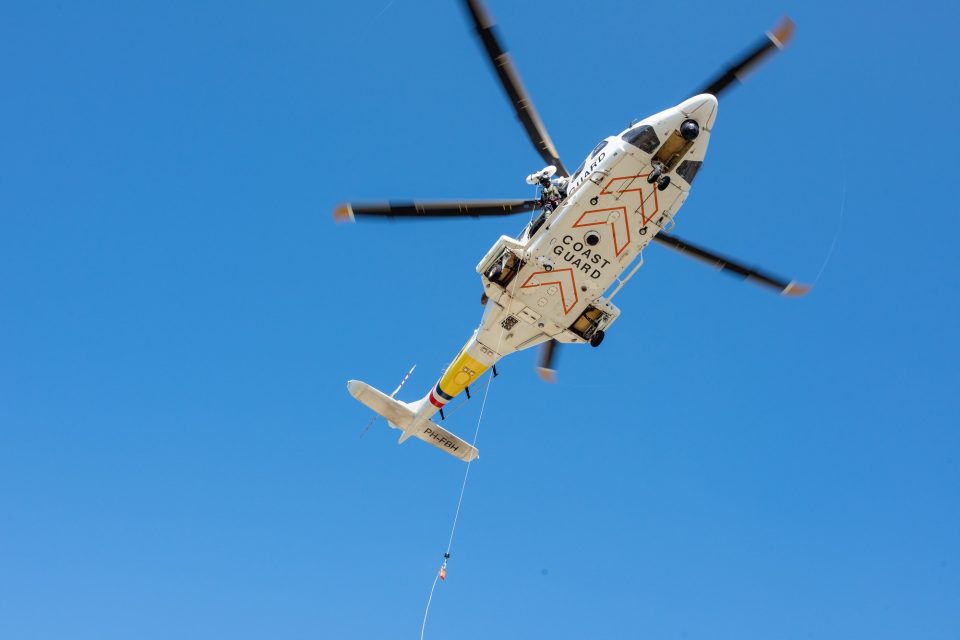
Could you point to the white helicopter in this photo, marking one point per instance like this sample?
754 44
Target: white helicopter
555 282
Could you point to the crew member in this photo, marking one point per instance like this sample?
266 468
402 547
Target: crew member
550 196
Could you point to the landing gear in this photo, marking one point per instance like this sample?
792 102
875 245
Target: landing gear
495 272
597 338
657 176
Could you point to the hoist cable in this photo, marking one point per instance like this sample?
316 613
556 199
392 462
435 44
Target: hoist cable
466 474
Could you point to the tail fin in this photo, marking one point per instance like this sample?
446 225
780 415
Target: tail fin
400 415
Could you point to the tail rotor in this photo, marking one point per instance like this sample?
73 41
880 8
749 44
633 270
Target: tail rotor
392 395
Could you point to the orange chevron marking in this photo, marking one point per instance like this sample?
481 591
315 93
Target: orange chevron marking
621 221
559 283
610 190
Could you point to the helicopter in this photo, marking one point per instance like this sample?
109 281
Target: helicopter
555 283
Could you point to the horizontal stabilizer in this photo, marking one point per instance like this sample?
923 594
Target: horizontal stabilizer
442 439
401 416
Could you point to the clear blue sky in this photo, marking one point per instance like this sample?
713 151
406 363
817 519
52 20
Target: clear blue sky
179 457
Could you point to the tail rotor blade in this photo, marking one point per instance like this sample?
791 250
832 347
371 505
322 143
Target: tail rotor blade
392 395
403 382
369 424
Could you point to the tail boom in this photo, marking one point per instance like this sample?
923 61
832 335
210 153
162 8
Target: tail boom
471 363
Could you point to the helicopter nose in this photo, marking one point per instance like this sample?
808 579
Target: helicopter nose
701 109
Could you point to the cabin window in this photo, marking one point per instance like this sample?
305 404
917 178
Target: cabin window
579 169
643 138
688 170
597 149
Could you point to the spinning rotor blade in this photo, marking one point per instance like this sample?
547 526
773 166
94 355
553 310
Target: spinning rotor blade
787 288
771 43
465 209
510 80
548 356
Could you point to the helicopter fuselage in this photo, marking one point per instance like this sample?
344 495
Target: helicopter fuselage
557 282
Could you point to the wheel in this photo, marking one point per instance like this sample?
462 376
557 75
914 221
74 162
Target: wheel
597 338
494 273
663 183
654 175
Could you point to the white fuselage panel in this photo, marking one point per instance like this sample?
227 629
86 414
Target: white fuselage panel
610 214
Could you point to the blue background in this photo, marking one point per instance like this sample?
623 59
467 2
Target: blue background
179 456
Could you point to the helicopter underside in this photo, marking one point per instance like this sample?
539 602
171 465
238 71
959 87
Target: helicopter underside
552 284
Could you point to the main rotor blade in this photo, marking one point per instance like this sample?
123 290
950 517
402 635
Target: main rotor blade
510 80
784 287
464 208
770 44
548 356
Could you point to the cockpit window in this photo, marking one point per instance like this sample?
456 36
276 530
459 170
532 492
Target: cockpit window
579 169
643 138
688 170
597 149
